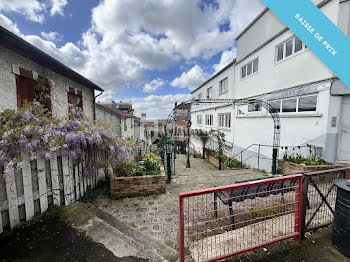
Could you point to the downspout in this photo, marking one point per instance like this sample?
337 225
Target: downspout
94 104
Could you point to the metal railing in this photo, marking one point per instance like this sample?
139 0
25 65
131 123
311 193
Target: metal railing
221 222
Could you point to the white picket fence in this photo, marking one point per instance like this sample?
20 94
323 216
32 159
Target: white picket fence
26 192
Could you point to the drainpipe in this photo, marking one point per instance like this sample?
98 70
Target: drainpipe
94 104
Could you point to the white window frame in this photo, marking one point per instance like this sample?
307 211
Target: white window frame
209 120
210 92
284 58
251 63
297 104
224 120
199 96
221 90
228 120
221 120
199 120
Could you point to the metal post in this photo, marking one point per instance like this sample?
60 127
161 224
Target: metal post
259 157
168 166
274 161
241 161
174 157
188 165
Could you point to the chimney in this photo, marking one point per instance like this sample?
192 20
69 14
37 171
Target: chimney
175 104
114 104
143 116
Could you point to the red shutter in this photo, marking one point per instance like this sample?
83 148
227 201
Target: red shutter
26 90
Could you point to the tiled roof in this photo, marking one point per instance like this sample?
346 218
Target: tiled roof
117 111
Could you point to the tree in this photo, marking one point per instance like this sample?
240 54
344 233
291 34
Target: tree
204 138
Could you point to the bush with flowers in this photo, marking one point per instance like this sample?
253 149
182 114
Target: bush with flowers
298 158
148 165
33 130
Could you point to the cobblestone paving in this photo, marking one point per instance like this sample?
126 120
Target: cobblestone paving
157 215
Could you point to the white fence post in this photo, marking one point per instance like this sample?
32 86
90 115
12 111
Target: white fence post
42 185
11 195
27 187
55 181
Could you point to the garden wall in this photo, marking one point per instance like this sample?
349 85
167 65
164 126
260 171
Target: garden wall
41 182
137 185
287 167
215 163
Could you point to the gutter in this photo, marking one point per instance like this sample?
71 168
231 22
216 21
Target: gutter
94 104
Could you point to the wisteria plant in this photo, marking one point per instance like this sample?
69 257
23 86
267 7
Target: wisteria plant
33 130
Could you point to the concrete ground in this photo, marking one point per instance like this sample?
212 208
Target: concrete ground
158 215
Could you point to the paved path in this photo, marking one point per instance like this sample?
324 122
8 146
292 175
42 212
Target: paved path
157 215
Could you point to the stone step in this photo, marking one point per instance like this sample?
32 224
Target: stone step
151 244
120 238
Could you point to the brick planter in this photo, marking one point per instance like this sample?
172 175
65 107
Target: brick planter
121 187
289 167
215 163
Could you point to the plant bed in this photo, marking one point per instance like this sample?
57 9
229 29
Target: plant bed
121 187
215 162
144 178
286 167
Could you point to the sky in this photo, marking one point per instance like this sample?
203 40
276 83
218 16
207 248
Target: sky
152 53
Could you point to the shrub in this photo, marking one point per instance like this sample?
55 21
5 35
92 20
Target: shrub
125 168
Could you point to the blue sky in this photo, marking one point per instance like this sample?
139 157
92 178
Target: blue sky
152 53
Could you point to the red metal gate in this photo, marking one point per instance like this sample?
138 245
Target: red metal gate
221 222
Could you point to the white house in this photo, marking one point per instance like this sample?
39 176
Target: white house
274 66
214 116
23 66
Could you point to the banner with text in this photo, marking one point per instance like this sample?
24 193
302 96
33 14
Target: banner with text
319 33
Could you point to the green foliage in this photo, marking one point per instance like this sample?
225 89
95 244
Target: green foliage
299 159
124 168
231 162
91 194
53 212
263 212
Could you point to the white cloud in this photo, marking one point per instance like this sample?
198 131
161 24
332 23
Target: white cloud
9 25
158 107
57 7
126 37
51 36
191 79
32 9
153 86
226 58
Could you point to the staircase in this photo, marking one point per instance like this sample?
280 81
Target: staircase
121 239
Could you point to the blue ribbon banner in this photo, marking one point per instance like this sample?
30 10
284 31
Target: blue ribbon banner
319 33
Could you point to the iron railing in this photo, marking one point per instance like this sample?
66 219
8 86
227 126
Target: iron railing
221 222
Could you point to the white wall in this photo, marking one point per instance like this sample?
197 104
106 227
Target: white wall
60 85
129 131
111 120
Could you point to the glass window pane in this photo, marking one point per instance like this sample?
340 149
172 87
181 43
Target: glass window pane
255 65
298 44
276 105
249 69
289 105
280 53
244 71
254 107
289 48
307 104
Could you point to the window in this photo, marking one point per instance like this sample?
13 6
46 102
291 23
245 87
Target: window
210 92
228 120
223 86
75 99
125 125
299 104
29 89
308 103
288 48
221 120
199 96
225 120
199 120
276 105
289 105
209 119
254 108
250 68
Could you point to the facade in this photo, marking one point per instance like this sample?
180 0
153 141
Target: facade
274 66
110 119
127 125
182 113
214 116
24 70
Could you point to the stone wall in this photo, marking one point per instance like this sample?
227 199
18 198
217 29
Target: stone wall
137 185
215 163
287 167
